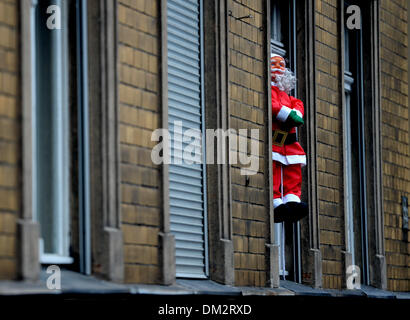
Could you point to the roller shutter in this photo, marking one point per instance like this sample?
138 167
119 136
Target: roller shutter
186 185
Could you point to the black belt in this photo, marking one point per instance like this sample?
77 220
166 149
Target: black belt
280 138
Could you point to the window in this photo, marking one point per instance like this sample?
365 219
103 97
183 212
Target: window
51 136
283 42
60 141
187 187
363 199
277 36
356 153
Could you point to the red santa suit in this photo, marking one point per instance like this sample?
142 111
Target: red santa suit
287 154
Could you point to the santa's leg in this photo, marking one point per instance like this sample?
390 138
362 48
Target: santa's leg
292 184
280 209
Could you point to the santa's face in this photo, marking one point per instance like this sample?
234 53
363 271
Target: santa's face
278 66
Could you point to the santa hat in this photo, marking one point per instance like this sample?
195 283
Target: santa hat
275 55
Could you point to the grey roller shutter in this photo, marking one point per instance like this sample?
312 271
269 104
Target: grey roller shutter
187 184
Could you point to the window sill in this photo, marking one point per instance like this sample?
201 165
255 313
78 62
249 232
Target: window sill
76 283
49 258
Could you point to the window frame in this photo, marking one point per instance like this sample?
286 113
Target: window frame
29 228
278 47
377 275
60 155
107 249
357 221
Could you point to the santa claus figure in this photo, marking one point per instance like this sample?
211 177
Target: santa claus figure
287 154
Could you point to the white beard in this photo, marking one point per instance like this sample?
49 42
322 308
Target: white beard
285 82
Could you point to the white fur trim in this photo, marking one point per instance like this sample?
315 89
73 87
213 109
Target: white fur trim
277 69
277 202
291 198
275 55
286 160
298 113
283 113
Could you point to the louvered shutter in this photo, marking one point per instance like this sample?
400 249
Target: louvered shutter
186 185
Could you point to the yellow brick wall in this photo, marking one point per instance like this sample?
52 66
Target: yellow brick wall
395 134
9 137
139 108
250 225
329 149
139 98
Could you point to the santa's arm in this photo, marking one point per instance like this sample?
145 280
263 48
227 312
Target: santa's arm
295 117
297 106
279 112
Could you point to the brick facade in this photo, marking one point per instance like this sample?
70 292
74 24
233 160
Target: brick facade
139 113
249 216
395 132
9 137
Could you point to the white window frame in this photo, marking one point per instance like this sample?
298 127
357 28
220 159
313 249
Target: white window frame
279 48
61 225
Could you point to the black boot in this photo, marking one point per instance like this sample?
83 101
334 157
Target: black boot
297 211
281 213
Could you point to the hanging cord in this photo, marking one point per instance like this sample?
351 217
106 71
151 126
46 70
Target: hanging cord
283 229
